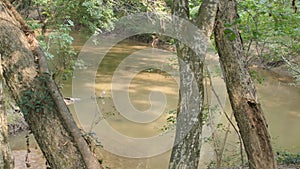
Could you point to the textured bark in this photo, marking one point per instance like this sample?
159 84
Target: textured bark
186 150
242 93
27 77
6 158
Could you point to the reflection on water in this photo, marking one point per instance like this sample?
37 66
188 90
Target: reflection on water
280 102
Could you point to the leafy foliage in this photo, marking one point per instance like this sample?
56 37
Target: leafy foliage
270 29
61 18
284 157
123 8
57 46
92 14
194 6
61 41
37 99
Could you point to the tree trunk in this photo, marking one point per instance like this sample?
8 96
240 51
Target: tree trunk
27 77
247 110
6 158
188 140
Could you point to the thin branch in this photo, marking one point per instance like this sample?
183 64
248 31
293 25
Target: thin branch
290 65
226 115
211 126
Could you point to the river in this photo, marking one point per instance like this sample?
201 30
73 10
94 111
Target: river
279 99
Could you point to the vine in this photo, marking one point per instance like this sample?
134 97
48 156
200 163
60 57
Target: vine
37 99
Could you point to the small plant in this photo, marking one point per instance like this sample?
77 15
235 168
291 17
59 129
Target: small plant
256 76
36 99
284 157
171 121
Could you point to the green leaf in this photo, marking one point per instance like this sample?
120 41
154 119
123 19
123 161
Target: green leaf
228 31
232 37
227 24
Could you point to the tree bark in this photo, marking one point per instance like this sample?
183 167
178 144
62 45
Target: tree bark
242 93
6 158
188 139
28 79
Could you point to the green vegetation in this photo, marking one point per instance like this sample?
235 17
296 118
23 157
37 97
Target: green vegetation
37 99
270 31
284 157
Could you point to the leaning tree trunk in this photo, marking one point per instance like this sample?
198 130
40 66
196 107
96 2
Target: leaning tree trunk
247 110
30 84
188 140
6 158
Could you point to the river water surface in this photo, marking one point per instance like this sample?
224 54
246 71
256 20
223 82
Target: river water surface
279 99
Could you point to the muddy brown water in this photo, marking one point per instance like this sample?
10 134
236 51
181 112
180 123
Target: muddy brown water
279 99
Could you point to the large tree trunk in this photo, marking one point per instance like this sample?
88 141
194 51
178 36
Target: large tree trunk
30 84
247 110
186 151
6 158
